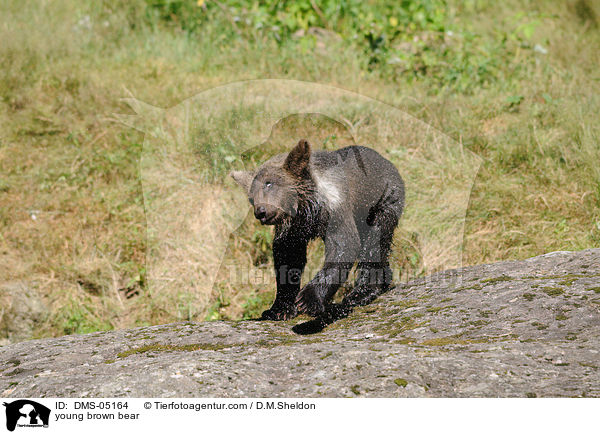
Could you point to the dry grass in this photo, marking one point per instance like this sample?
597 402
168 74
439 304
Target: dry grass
72 217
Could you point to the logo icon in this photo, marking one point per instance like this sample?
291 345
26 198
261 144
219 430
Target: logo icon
26 413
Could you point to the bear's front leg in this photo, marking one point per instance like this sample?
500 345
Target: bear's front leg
342 245
315 296
289 256
280 312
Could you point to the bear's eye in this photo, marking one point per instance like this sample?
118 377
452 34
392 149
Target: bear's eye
268 184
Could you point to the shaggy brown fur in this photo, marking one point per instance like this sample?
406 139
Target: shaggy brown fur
351 198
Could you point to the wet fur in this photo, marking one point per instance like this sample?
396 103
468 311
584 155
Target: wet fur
351 198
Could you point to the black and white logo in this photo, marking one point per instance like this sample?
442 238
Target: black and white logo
26 413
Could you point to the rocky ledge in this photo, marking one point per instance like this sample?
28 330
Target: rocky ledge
516 329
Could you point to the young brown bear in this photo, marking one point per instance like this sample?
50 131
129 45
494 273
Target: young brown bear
351 198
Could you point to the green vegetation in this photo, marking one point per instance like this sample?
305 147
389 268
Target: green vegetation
439 342
516 82
553 291
493 280
401 382
162 347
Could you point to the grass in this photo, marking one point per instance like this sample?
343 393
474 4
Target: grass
72 217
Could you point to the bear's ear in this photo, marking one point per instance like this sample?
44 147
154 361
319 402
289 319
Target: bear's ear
244 178
298 159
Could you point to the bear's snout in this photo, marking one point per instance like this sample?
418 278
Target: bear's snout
265 213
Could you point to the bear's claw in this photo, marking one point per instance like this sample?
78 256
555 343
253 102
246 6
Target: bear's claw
308 302
279 313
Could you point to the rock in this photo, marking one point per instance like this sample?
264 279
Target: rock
510 329
21 311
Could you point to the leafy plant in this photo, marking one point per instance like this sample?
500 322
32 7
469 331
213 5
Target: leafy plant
411 38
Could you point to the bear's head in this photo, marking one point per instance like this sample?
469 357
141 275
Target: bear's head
277 187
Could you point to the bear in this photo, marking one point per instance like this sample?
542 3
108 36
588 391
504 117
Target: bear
352 199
